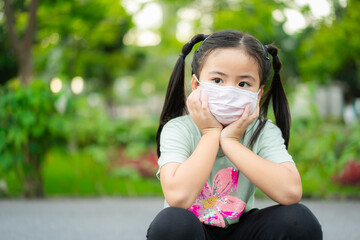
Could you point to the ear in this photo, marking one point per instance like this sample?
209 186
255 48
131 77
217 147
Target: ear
194 83
261 92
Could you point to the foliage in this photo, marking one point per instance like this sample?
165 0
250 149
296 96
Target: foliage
88 126
76 38
256 18
321 149
84 38
350 174
330 52
68 145
27 129
79 174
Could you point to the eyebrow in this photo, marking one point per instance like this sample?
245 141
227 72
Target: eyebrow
240 76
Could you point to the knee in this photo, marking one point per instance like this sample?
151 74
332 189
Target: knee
300 223
175 223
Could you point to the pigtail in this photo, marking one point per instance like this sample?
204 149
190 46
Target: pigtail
175 99
279 100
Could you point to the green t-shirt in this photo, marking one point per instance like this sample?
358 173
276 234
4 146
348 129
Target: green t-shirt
180 137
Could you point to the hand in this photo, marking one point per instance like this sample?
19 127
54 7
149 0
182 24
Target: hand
200 113
236 130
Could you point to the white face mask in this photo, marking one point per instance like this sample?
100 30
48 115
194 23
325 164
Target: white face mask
227 103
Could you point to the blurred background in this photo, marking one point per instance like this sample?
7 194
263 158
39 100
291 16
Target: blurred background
82 84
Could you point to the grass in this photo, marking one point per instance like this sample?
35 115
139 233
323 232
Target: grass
78 175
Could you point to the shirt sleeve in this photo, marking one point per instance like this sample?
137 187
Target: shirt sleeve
272 145
174 144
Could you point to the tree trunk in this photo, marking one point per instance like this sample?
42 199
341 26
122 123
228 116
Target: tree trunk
33 184
32 180
32 177
25 67
22 48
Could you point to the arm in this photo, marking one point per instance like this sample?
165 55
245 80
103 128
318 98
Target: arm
182 182
281 182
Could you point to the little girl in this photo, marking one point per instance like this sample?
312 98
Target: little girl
217 146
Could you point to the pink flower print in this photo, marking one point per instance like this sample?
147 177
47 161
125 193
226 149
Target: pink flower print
213 205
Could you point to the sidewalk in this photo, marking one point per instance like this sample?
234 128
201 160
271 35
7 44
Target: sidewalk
128 218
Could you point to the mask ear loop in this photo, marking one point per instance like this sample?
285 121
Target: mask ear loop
197 79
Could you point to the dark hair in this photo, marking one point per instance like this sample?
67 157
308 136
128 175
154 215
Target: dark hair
175 100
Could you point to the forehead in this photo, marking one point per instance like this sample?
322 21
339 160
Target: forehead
231 60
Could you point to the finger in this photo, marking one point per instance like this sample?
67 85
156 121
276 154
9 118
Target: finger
244 116
189 98
204 102
194 95
256 111
197 96
246 111
191 103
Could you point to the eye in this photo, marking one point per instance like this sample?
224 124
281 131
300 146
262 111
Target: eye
243 84
218 80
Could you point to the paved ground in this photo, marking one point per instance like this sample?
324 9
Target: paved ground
128 218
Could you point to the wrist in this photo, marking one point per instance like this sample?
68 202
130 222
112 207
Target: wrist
211 131
227 136
229 142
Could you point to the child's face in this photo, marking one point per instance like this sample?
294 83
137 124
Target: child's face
230 67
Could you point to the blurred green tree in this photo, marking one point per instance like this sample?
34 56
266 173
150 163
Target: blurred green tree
72 38
84 38
330 50
29 124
